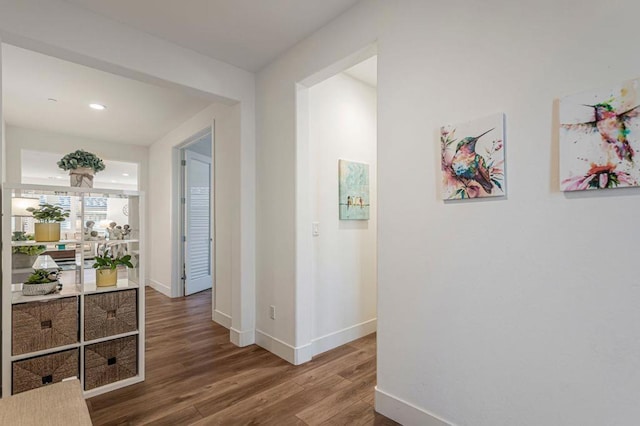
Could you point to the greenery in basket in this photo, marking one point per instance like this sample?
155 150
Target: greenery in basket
48 213
81 158
43 276
107 261
28 250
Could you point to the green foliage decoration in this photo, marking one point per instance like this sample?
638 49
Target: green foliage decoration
43 276
107 261
48 213
28 250
81 158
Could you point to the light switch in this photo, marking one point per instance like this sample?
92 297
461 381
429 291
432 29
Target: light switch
315 227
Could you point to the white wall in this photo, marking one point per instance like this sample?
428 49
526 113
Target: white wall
69 32
342 125
3 158
276 180
516 311
163 205
19 138
3 146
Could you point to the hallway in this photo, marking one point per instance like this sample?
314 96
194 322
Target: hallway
195 375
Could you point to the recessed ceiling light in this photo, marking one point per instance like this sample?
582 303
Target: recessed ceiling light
99 107
113 181
52 99
125 174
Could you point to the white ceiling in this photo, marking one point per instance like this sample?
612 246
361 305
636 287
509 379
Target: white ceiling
245 33
137 113
366 71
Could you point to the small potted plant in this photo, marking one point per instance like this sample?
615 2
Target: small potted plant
41 282
106 266
82 166
24 256
49 218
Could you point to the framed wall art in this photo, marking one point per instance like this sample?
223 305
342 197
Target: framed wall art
472 159
353 190
600 138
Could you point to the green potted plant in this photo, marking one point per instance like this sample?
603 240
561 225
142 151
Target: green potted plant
106 265
41 282
82 166
24 256
49 218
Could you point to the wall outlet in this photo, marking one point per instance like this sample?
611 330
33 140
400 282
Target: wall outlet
315 228
272 312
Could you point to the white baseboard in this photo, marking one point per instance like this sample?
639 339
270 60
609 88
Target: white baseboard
222 318
301 354
291 354
242 338
344 336
160 287
405 413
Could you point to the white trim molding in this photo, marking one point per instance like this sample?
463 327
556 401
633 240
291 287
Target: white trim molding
242 338
222 318
162 288
294 355
404 412
344 336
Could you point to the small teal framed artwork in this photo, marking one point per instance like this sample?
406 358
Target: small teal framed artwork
353 190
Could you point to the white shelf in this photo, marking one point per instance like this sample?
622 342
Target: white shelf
110 242
62 190
122 284
45 352
18 297
79 280
113 386
43 243
106 339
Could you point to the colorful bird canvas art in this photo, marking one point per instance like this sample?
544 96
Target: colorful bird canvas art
473 159
353 190
600 138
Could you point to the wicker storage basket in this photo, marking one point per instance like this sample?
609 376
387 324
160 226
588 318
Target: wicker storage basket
46 369
110 361
44 325
108 314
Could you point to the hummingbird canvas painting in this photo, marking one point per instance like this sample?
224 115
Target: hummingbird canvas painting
353 190
473 159
600 138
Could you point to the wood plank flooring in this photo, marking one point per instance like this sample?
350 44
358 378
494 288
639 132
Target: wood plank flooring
194 375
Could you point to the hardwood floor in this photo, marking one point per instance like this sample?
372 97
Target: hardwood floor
194 375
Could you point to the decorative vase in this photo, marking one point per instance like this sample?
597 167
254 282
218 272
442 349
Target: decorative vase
41 289
106 277
81 177
47 231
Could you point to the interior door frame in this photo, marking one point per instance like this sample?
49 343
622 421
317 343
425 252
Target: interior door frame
304 246
178 282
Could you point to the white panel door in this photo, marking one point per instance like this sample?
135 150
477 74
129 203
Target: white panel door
197 259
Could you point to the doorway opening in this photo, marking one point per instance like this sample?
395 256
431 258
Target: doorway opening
336 192
196 213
